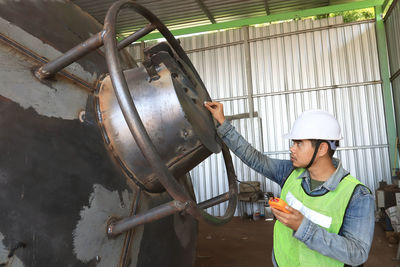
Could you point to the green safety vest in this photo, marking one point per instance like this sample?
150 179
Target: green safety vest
326 210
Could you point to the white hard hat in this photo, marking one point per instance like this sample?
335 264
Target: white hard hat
315 124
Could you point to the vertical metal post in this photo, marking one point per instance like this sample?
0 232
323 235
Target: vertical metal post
249 80
387 89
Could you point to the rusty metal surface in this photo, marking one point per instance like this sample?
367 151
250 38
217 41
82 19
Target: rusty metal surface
132 117
115 104
164 120
58 183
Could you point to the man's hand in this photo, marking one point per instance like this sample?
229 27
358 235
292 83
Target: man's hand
217 110
291 220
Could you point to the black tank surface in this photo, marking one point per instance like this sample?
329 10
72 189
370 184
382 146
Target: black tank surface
59 183
59 186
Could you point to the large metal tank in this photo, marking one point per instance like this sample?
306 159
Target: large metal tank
59 184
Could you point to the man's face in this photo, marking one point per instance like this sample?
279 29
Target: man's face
301 153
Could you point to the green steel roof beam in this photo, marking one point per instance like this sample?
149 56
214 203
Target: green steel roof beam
386 85
271 18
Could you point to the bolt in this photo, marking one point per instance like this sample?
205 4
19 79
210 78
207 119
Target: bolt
110 230
81 116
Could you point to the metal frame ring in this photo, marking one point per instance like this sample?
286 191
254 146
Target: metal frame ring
137 128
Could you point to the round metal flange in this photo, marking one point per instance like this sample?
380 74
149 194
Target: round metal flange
135 124
159 104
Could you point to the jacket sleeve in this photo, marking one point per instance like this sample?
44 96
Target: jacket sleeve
275 169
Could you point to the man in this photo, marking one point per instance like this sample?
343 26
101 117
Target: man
331 214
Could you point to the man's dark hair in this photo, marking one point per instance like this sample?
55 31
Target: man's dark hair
330 150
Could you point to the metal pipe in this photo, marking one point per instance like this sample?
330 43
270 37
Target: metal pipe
118 227
213 201
306 90
233 189
70 56
136 36
85 48
240 116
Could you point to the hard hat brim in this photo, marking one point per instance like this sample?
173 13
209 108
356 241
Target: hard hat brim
293 137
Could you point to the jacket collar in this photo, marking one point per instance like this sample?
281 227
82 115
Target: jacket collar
333 181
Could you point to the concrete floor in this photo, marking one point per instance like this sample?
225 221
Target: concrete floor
242 243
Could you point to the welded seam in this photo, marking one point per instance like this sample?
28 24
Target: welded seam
42 60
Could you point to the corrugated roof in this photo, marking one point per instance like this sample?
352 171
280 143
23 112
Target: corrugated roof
177 14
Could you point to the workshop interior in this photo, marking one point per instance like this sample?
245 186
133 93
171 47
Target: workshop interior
109 157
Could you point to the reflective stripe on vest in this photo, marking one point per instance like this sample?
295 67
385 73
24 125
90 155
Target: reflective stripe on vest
325 210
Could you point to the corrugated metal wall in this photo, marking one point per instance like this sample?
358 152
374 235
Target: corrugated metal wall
392 24
294 66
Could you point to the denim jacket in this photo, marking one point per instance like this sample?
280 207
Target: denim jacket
353 242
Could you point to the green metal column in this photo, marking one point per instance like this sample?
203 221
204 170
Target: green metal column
386 85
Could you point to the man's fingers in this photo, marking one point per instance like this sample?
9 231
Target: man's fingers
291 220
210 104
207 106
281 216
292 210
277 212
216 110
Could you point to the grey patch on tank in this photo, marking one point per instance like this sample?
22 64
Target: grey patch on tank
90 238
13 261
36 45
60 99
